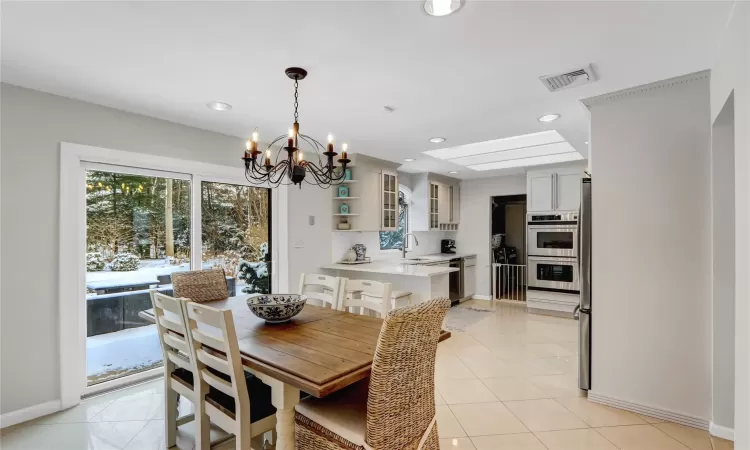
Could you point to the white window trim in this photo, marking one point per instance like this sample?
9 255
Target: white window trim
72 274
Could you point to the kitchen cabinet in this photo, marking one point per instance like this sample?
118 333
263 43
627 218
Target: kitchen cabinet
388 201
434 206
540 191
372 198
568 190
470 276
558 190
434 203
454 194
444 203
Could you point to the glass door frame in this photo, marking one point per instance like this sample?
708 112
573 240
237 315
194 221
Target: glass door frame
75 159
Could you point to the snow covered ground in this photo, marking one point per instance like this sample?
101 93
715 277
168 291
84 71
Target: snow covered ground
113 355
133 350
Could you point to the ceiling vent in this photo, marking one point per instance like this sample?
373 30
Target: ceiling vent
574 78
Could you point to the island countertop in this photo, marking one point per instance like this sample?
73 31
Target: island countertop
393 268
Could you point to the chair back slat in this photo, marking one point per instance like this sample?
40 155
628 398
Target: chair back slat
177 343
403 377
205 338
324 290
367 295
200 285
216 363
216 382
180 361
170 326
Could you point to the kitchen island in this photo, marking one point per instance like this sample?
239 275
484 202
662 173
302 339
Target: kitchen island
425 282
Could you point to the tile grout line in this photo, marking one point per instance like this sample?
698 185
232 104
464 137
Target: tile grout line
136 434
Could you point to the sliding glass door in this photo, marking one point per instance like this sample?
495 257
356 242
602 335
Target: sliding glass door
137 235
140 230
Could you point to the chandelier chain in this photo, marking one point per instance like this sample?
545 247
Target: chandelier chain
296 100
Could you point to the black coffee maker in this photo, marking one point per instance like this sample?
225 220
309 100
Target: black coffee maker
448 246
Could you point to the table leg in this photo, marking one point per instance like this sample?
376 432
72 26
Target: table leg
284 397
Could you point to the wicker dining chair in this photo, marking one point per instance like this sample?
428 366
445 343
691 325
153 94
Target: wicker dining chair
396 410
200 285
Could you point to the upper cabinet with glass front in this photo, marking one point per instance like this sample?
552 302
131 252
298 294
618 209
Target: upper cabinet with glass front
435 203
388 201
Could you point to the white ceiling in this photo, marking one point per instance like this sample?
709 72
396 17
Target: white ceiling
469 77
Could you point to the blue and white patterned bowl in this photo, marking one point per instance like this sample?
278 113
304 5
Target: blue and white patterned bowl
276 308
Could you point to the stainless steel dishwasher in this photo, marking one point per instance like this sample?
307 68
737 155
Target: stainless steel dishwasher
456 280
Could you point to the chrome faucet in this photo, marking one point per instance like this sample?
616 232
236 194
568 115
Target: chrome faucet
406 240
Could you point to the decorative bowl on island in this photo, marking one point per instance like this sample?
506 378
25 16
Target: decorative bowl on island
276 308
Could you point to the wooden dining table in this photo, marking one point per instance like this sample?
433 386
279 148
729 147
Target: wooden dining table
320 351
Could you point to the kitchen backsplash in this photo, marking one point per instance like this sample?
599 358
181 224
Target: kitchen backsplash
429 242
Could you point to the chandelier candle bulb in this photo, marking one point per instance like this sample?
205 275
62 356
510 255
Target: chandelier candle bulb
268 157
290 141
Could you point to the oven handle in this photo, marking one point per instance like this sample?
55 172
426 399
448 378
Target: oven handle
562 259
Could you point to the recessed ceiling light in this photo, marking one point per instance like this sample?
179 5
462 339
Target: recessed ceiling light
453 171
409 159
441 8
549 117
587 142
437 140
219 106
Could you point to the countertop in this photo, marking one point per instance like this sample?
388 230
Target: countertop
394 267
443 256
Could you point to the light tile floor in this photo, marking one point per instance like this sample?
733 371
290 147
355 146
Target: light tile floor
508 383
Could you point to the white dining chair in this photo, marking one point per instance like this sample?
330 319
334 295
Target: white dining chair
367 295
325 289
223 390
178 366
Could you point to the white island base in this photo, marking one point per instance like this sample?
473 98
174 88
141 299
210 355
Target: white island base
424 282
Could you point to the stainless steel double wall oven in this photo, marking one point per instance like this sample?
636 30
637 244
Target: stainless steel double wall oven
553 252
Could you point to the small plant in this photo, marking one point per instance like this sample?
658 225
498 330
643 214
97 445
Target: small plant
95 262
255 276
124 262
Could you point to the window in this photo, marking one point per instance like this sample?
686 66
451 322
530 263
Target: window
394 240
235 228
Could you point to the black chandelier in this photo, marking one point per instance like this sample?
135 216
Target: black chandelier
292 167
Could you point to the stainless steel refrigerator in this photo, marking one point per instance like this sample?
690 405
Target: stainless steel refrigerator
584 307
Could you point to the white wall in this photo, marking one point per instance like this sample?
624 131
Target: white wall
651 304
309 245
722 260
33 125
731 73
473 234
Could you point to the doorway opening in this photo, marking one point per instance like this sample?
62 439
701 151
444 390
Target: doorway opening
508 247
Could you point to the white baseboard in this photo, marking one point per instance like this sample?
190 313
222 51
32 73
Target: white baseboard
659 413
30 413
721 432
481 297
